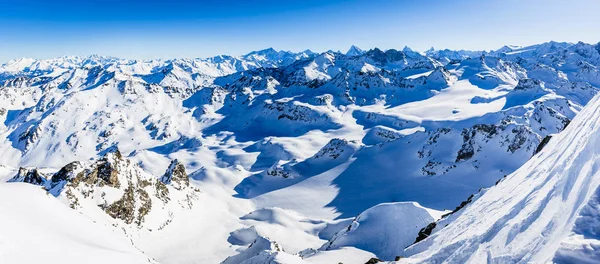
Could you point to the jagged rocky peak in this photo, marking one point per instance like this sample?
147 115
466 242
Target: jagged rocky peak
103 172
354 51
176 175
64 175
29 175
120 188
107 168
138 192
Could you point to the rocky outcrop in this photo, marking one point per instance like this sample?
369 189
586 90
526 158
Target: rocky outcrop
282 169
335 149
30 175
176 176
120 188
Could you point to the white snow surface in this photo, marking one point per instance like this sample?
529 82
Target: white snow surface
36 228
385 229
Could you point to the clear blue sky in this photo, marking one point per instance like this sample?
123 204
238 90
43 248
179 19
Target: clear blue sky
174 28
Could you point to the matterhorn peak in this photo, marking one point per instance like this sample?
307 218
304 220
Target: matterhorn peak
354 51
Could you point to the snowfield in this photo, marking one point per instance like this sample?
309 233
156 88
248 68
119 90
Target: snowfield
281 157
37 228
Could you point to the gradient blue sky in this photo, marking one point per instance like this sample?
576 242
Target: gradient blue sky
174 28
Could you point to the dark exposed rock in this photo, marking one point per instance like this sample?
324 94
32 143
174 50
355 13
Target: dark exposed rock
162 192
73 200
526 84
145 207
542 144
65 173
519 139
124 208
279 170
113 171
373 261
32 176
334 149
429 168
467 150
465 153
516 140
425 232
176 175
104 172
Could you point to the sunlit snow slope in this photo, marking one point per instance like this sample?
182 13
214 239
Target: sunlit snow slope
37 228
548 210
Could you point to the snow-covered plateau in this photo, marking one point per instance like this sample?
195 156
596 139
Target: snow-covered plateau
367 156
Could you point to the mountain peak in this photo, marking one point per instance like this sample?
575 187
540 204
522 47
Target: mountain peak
354 51
267 51
407 49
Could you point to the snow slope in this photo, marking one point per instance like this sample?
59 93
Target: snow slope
546 211
37 228
394 224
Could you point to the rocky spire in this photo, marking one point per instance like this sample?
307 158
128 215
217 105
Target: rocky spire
176 175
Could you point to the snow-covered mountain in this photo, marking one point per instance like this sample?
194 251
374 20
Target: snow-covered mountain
287 157
354 51
547 211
